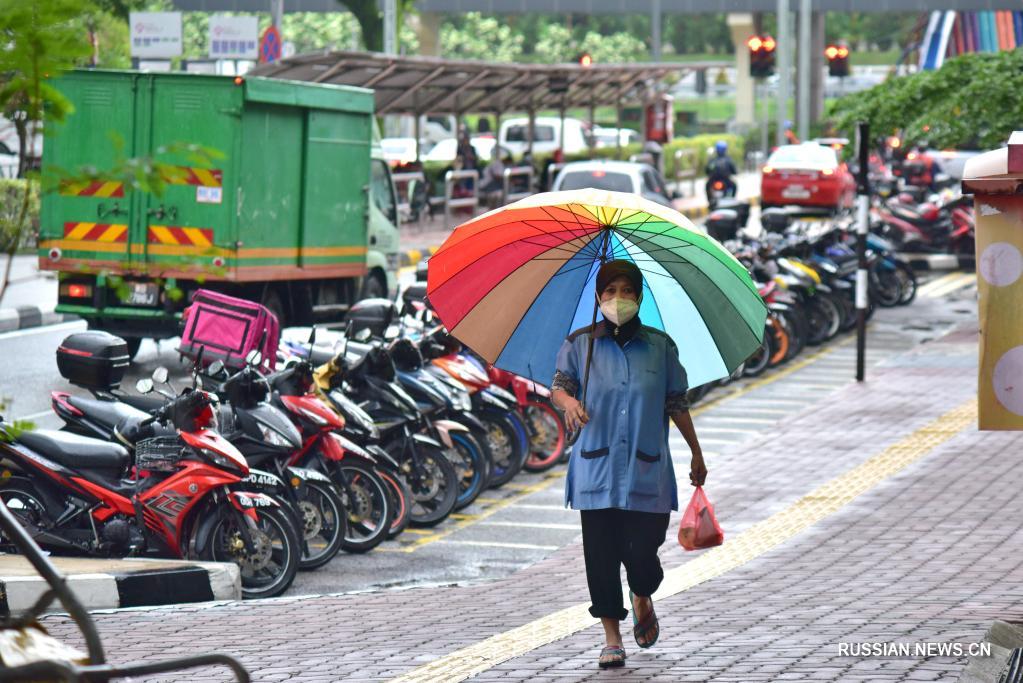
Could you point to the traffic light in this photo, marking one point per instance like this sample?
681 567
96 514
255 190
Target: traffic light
838 60
584 59
761 56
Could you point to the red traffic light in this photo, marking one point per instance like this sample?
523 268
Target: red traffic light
755 43
585 59
769 43
831 51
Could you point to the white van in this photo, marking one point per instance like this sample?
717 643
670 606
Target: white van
514 135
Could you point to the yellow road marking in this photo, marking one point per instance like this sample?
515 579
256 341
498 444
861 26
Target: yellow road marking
758 539
963 281
938 282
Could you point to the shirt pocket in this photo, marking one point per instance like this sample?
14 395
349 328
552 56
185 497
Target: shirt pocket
592 470
648 471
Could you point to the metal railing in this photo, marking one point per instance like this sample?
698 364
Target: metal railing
471 200
401 186
520 189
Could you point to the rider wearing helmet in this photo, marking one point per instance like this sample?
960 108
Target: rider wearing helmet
721 169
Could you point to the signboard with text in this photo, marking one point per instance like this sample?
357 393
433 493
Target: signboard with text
155 34
234 37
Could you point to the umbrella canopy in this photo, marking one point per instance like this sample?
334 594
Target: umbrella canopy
513 283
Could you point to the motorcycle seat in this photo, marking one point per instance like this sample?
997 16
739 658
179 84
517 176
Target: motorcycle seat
77 452
109 413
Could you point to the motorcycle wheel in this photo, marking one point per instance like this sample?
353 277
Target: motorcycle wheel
324 521
469 461
818 322
547 435
887 287
779 341
503 443
269 569
833 310
434 489
401 502
761 358
25 503
368 506
908 280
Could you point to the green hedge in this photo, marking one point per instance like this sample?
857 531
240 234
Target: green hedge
702 144
12 194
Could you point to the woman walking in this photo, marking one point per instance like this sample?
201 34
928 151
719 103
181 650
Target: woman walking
620 474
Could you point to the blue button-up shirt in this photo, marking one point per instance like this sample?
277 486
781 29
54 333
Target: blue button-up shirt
621 459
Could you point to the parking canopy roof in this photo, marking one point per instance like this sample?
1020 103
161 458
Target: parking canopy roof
432 85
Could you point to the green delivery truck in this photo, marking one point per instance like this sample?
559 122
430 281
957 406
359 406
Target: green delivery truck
300 212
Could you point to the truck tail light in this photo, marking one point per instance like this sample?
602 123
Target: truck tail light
76 291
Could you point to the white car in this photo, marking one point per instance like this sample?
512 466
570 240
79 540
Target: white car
399 150
617 176
609 137
514 135
446 150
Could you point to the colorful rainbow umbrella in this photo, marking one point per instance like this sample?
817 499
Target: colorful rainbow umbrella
513 283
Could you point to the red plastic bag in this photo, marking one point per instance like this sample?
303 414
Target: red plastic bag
699 528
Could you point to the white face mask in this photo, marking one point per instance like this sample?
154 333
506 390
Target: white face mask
619 310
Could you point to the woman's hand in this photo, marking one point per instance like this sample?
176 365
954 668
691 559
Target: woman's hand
697 470
575 414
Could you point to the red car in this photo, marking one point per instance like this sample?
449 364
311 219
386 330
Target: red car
809 174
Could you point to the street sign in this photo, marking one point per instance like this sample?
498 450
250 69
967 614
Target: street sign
233 37
155 34
270 46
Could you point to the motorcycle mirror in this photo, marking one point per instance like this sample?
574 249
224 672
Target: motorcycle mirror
216 367
161 375
144 385
363 334
312 336
253 357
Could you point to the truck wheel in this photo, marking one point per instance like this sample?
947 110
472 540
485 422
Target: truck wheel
373 287
273 301
133 346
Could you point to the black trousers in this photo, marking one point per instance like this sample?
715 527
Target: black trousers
611 538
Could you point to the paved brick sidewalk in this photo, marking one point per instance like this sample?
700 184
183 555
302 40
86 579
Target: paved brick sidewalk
924 556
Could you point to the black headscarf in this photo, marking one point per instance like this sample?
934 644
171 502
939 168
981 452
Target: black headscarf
620 268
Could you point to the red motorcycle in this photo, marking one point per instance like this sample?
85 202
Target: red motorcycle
83 496
353 469
544 424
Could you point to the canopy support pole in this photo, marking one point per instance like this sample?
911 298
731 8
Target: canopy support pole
618 125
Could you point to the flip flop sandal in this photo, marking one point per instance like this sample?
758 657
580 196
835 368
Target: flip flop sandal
619 657
640 629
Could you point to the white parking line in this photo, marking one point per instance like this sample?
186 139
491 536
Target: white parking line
739 419
534 525
36 416
539 506
494 544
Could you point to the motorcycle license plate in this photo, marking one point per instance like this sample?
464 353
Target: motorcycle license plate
141 294
795 192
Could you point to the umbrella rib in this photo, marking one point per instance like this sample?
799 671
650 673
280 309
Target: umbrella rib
582 228
656 305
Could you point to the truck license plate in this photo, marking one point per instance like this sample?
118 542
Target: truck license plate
142 294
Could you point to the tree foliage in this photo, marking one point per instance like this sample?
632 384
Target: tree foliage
481 37
972 102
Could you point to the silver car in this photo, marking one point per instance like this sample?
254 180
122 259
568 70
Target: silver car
618 176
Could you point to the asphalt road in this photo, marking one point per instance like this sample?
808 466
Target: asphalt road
524 521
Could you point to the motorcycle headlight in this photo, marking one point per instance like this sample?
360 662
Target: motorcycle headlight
222 461
273 438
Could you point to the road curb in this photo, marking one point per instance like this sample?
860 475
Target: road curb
938 261
133 583
25 317
411 257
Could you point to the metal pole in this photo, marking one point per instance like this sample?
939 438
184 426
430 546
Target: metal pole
618 125
862 226
391 27
276 13
805 19
784 68
655 30
765 142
